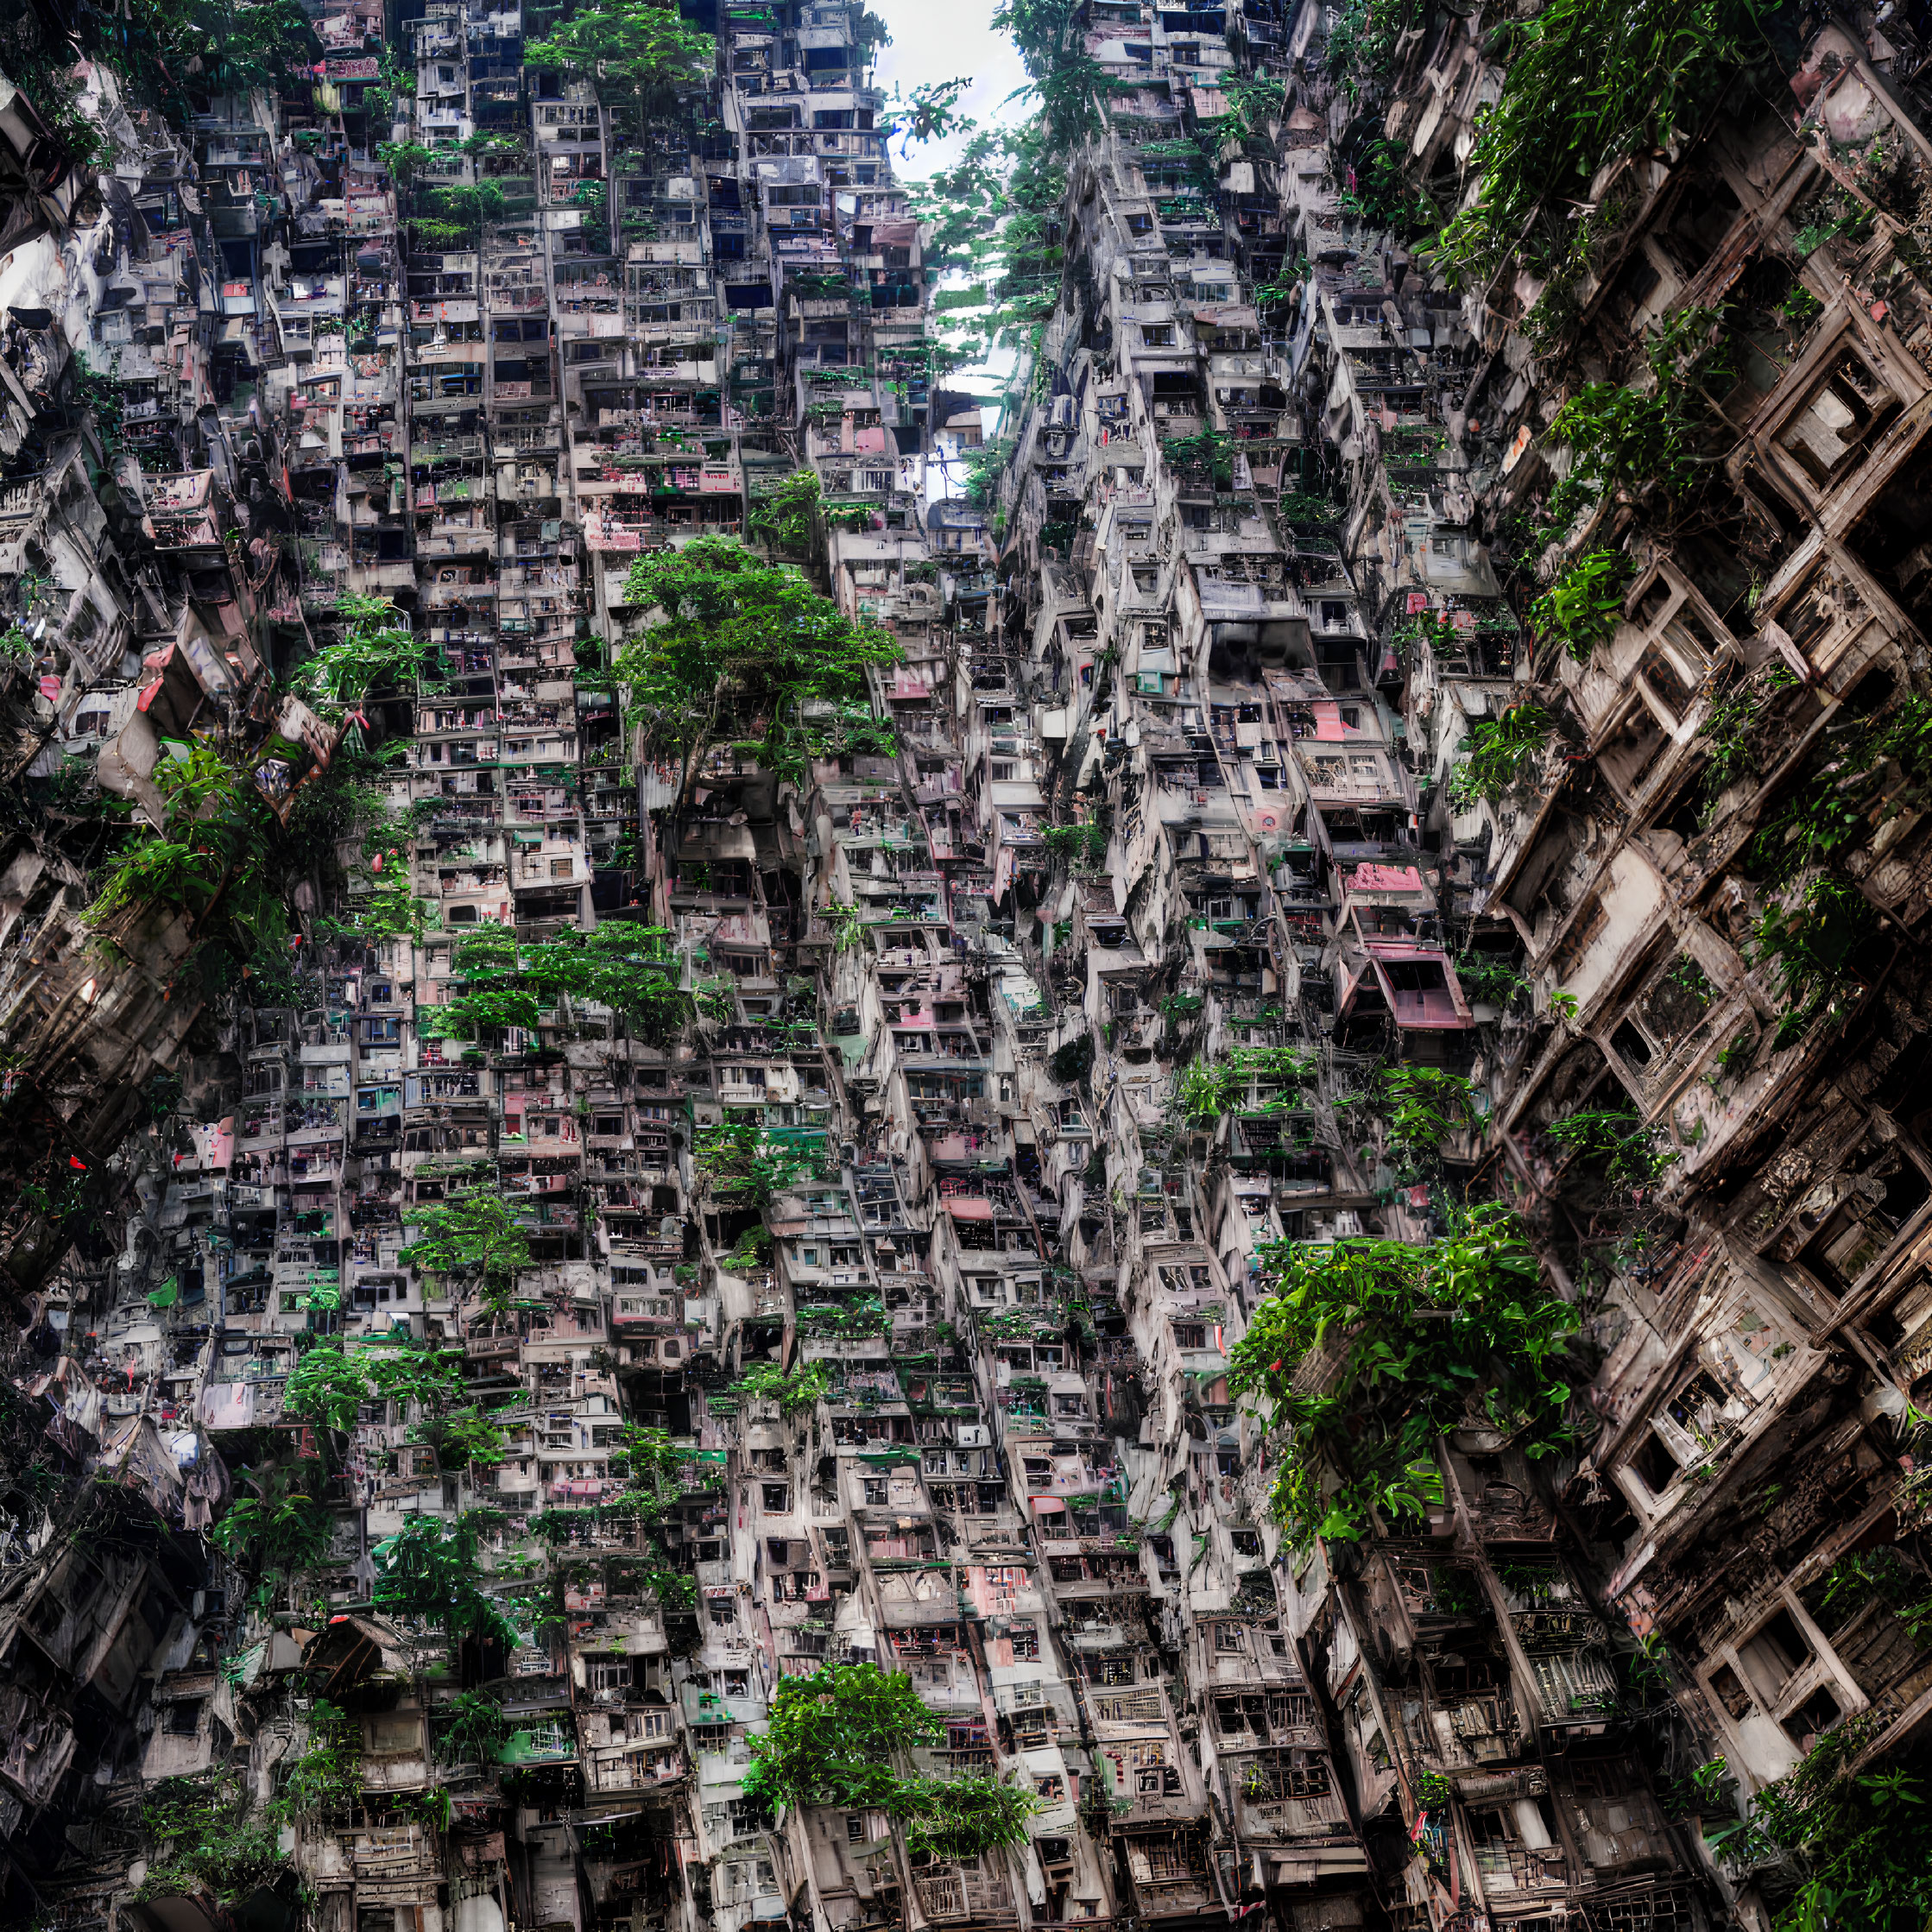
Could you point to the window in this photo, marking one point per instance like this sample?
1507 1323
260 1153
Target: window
777 1496
1843 415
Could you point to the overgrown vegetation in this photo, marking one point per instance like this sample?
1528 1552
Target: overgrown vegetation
431 1568
1729 734
1584 606
626 967
795 1390
836 1737
1209 1088
1645 440
474 1728
1861 1836
739 645
474 1235
741 1163
635 53
282 1528
1499 750
1615 1143
1366 1351
1426 1105
204 1831
1584 85
788 516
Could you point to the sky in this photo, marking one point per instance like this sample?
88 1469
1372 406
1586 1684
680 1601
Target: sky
935 40
946 40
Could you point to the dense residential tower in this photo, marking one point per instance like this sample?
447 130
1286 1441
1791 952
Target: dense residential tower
780 1152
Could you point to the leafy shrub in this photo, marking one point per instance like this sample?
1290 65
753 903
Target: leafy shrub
788 516
1726 734
1401 1343
1209 1088
1427 1105
1500 751
325 1386
1812 948
282 1528
1621 438
1615 1142
205 1832
794 1389
1583 84
1862 1836
741 1163
964 1818
1584 606
832 1737
430 1568
1078 845
474 1727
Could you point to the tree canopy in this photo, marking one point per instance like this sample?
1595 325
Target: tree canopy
626 967
740 643
473 1233
1369 1350
833 1734
627 44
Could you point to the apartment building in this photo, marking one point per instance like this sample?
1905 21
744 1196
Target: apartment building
640 1230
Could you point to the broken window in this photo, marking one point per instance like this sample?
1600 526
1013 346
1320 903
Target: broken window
1842 414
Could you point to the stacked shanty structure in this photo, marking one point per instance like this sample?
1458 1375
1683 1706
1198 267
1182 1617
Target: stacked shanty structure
1400 751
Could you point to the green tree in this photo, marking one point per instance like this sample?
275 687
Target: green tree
471 1234
622 965
789 516
964 1818
281 1528
794 1390
403 158
626 47
1369 1350
833 1736
929 112
1862 1837
325 1386
737 641
1426 1105
430 1568
473 1727
429 1376
741 1164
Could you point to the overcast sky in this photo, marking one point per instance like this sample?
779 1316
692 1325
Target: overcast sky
945 39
